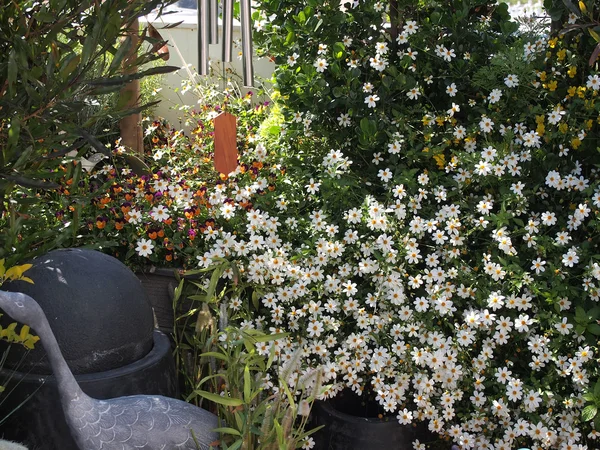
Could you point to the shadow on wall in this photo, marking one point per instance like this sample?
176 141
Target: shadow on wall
192 4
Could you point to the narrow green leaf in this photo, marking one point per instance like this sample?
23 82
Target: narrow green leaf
69 65
122 51
94 142
247 384
269 337
12 69
228 430
227 401
237 444
28 182
217 355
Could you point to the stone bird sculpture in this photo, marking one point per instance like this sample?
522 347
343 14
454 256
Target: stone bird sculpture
149 422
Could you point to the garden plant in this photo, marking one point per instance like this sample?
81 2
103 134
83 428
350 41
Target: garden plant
414 219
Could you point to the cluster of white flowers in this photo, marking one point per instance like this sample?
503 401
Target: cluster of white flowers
450 295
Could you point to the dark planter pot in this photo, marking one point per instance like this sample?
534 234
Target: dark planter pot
102 321
160 285
40 422
345 430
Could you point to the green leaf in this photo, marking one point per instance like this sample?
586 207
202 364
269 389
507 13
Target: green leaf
24 158
228 430
28 182
217 355
214 279
338 50
589 412
123 79
69 65
268 337
94 142
12 69
123 50
13 133
227 401
367 126
580 315
594 328
247 384
237 444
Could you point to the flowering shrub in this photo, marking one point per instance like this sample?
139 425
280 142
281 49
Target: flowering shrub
434 238
167 216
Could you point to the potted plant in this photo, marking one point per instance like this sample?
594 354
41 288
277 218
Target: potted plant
160 222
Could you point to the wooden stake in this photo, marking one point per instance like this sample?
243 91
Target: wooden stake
131 126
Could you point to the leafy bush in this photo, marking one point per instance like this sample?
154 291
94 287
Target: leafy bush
52 53
166 218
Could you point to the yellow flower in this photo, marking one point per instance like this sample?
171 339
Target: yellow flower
563 128
541 129
440 159
572 71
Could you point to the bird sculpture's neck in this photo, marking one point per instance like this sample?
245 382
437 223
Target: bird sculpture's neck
67 385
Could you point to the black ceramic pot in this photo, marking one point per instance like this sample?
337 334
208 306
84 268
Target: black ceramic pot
345 430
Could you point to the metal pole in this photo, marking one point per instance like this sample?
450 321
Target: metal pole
203 36
227 30
214 21
246 25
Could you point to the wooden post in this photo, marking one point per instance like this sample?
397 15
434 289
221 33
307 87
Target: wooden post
131 126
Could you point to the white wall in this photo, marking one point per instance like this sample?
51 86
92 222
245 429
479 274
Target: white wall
183 48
